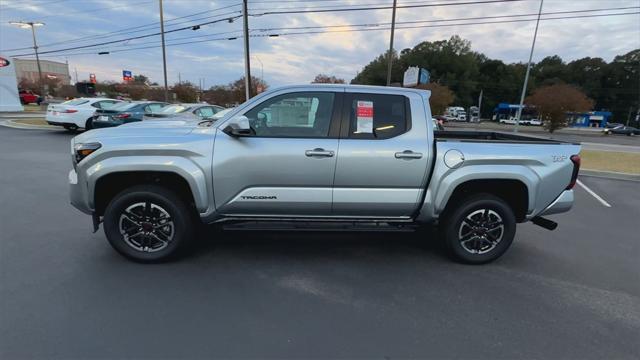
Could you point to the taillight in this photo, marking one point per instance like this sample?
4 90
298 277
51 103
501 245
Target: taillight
70 111
575 159
122 116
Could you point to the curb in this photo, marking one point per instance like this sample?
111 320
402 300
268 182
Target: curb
610 175
15 125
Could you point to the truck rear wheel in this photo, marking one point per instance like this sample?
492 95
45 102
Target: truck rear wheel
480 229
148 223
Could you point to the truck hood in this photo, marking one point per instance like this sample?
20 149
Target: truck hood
147 128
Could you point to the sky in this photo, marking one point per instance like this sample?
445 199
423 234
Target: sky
296 58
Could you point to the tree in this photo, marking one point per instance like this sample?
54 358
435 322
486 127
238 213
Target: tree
554 101
326 79
140 79
233 93
186 92
441 97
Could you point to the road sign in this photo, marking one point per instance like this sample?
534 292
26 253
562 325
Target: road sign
126 75
92 78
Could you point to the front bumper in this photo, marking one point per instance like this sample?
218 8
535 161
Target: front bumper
562 203
78 193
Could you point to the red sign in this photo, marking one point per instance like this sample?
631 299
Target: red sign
92 78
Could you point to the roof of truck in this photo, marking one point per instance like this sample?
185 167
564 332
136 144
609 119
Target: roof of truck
362 87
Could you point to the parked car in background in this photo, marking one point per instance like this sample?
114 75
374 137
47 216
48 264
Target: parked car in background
622 130
186 111
125 112
456 113
77 113
437 124
29 97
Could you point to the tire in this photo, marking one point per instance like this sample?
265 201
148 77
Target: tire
476 249
138 212
89 124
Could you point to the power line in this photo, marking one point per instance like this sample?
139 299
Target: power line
443 25
132 38
385 7
363 30
127 30
447 20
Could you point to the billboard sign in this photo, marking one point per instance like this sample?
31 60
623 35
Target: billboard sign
92 78
411 75
424 76
126 75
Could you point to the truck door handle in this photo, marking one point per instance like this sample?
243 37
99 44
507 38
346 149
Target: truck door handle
319 152
408 154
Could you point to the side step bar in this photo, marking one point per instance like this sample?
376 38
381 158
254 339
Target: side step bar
545 223
319 226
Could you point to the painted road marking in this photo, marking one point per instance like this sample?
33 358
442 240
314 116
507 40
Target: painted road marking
592 193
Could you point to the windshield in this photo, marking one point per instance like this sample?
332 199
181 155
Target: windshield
173 109
122 106
220 114
75 102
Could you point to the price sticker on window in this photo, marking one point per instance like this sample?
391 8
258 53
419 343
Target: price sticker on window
364 117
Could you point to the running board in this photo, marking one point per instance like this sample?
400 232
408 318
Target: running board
319 226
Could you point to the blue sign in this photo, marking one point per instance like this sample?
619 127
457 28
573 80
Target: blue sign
126 75
424 76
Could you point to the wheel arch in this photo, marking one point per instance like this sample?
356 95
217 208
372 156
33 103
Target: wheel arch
109 185
514 192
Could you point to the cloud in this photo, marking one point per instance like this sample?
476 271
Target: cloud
298 58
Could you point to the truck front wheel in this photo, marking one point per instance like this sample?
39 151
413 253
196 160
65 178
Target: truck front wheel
148 223
479 229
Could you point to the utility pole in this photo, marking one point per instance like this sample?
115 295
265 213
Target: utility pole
390 55
247 62
164 54
480 105
526 76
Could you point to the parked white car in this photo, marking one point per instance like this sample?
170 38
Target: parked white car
77 113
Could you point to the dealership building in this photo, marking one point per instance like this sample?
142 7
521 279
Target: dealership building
27 68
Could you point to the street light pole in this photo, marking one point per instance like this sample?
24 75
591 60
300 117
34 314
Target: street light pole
164 54
390 55
247 61
32 25
526 76
35 47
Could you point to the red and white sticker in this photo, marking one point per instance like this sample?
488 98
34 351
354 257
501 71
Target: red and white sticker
364 116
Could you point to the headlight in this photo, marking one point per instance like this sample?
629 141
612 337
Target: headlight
81 151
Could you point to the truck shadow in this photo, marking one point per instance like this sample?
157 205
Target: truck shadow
313 244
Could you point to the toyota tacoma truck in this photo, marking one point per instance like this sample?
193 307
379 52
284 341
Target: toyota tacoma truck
318 157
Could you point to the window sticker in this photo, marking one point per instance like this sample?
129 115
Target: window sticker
364 116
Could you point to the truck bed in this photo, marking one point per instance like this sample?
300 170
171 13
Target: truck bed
490 136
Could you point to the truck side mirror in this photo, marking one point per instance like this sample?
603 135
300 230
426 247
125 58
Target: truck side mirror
238 126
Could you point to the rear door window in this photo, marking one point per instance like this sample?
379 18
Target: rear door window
377 116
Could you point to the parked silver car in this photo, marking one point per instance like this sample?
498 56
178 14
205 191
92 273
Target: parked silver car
185 111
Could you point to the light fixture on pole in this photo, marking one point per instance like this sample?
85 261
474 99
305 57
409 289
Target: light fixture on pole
33 25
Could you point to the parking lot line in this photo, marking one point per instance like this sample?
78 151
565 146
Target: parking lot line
592 193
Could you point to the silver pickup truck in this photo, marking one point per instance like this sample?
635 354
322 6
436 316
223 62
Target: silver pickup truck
318 157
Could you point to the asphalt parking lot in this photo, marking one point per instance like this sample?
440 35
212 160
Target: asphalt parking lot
64 293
